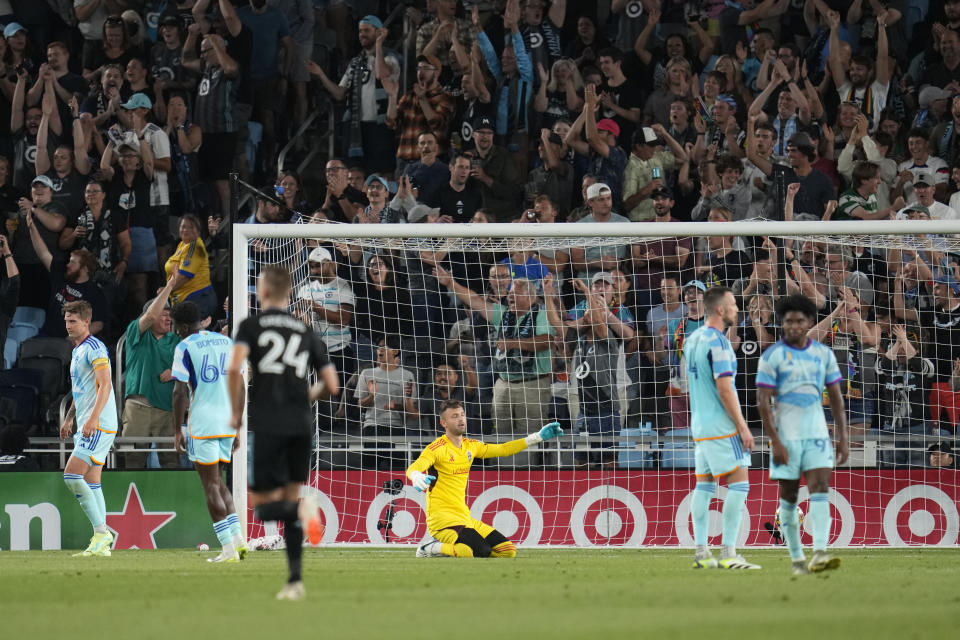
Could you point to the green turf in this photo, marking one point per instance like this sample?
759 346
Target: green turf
540 594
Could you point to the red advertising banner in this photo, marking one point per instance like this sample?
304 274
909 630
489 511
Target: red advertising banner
640 508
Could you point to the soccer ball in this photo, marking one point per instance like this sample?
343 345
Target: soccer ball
776 517
203 546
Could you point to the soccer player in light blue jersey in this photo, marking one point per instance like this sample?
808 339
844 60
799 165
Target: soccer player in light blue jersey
722 440
793 373
200 373
94 410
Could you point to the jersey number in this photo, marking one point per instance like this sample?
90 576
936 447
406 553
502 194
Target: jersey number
281 353
209 372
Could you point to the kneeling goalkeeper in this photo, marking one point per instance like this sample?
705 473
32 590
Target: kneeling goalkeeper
447 461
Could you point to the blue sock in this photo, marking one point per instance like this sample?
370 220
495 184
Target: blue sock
790 526
222 529
700 511
820 516
234 522
733 512
88 501
101 505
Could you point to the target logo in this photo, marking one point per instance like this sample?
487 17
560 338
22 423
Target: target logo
921 515
406 524
536 40
683 524
524 527
634 10
608 515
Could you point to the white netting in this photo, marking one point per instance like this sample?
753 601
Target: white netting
621 474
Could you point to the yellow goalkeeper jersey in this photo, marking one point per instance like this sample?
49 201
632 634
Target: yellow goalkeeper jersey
447 497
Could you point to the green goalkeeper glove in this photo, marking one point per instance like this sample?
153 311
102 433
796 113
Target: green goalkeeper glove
548 432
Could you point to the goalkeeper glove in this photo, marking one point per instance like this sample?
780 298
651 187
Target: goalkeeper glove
548 432
421 481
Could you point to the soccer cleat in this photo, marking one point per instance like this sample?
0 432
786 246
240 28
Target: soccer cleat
242 551
737 562
89 550
222 557
800 567
704 561
99 545
823 561
310 520
430 550
292 591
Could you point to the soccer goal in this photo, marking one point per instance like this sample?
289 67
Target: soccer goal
436 311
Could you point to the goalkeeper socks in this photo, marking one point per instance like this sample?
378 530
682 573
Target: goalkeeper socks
821 520
700 511
293 536
88 502
790 526
280 510
733 514
456 550
504 550
101 507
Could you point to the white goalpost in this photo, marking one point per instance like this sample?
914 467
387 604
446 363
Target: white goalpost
621 475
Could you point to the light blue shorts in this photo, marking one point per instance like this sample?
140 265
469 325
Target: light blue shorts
719 457
93 450
209 450
803 455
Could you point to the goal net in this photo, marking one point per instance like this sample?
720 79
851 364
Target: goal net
584 324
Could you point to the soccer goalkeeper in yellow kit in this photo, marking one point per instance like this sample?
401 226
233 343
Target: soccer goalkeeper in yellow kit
447 460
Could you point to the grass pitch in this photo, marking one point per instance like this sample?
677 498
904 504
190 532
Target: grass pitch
904 593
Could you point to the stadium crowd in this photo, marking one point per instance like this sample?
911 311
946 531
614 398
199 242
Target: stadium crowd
121 120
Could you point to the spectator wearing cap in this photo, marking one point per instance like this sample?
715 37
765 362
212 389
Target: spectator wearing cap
189 267
921 162
654 258
64 83
816 189
553 178
859 202
327 302
493 167
377 190
646 171
933 108
70 280
434 38
616 315
461 196
148 388
940 456
678 331
166 60
722 132
587 261
426 107
620 99
429 173
923 192
607 161
365 133
215 110
50 219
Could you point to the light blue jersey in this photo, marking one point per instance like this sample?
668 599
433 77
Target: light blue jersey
88 357
200 360
799 377
709 357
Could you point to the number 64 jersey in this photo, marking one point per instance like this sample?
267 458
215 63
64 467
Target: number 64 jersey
283 350
200 361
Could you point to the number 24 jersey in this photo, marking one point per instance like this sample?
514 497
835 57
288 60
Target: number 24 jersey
282 352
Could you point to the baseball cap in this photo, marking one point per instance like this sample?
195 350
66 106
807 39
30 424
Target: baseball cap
859 283
138 101
602 276
44 180
375 178
645 135
420 212
945 277
609 125
916 206
695 283
12 29
319 254
483 122
662 191
431 60
597 189
925 179
942 447
931 94
372 20
170 20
